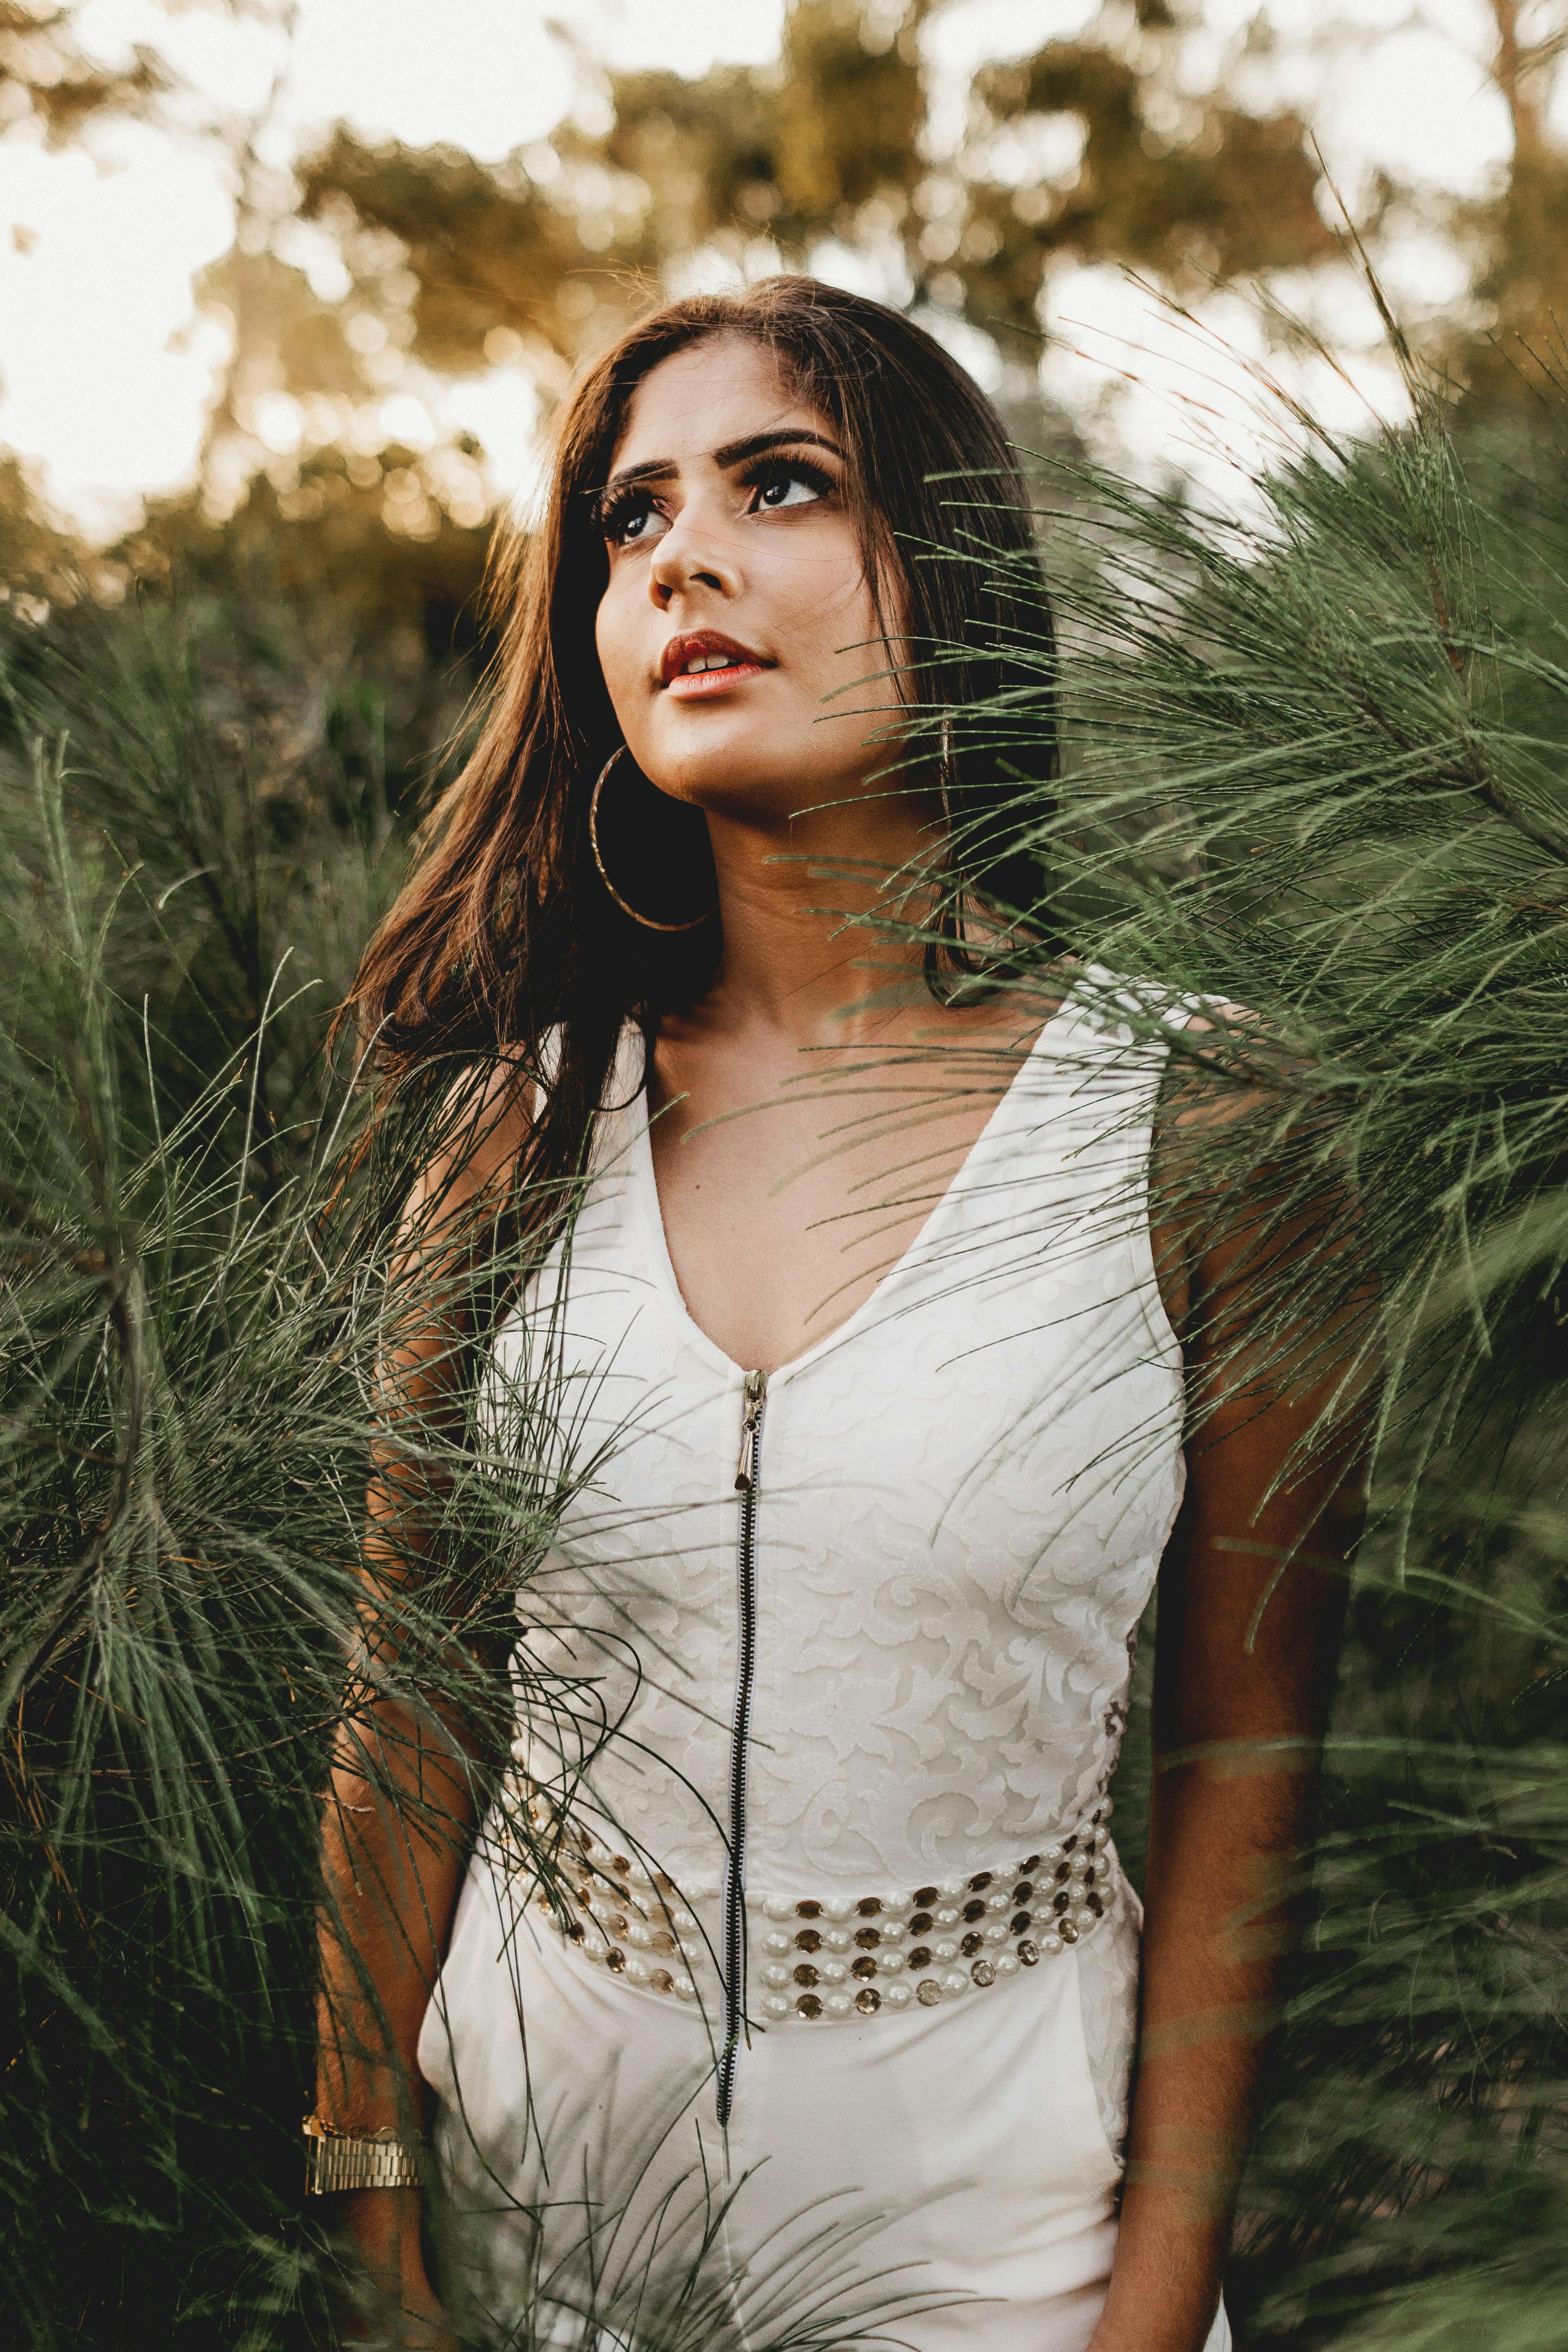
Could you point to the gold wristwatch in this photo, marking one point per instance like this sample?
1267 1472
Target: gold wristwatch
336 2160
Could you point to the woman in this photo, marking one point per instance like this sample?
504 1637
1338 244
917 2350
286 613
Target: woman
834 1976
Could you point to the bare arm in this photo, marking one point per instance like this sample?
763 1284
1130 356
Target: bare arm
400 1812
398 1824
1240 1704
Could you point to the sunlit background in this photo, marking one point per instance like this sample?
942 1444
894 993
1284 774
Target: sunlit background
206 266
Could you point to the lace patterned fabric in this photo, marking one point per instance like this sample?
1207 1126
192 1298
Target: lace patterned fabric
1108 2005
964 1492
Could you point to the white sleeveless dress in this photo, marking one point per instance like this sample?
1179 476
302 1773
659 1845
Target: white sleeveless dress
821 2029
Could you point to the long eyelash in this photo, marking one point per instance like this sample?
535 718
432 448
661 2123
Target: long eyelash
763 470
612 508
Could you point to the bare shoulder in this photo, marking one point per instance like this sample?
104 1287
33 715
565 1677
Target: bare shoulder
1210 1179
1252 1194
479 1132
1224 1067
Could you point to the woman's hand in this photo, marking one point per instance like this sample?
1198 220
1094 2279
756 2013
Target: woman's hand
401 2307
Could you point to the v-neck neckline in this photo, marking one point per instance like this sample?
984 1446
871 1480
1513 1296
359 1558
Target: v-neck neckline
645 1181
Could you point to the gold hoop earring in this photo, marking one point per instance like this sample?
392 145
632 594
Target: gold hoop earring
945 766
952 919
648 922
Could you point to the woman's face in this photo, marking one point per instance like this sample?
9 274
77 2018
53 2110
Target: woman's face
737 596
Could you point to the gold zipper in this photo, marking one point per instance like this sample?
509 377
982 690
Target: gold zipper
750 1421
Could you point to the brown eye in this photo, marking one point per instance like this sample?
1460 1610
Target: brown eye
629 520
788 485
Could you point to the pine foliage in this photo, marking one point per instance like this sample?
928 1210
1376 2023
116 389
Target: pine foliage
182 1438
1316 779
1316 772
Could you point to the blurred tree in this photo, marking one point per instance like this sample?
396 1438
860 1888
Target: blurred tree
546 255
1518 234
850 118
1089 148
437 266
342 516
47 77
440 266
498 256
331 554
239 752
39 562
1085 147
345 650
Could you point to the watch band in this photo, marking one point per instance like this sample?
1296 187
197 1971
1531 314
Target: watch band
335 2160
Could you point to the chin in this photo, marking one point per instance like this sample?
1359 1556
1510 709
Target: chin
739 778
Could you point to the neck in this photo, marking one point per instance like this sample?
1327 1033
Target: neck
792 964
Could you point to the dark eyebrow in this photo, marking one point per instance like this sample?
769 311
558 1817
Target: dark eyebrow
735 452
732 453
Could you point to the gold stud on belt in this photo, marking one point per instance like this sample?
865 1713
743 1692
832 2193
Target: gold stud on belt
843 1955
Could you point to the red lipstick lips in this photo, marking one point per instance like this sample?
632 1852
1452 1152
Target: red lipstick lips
706 662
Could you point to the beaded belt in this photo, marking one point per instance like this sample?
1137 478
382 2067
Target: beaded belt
838 1954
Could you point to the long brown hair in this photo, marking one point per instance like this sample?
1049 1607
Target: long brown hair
504 930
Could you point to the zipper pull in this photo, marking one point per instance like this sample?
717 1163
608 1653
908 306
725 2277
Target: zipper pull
745 1469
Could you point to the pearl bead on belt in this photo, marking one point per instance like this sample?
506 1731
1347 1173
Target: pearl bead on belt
835 1956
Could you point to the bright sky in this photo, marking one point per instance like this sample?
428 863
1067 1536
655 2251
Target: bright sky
106 370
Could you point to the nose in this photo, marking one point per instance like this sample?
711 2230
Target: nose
691 554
